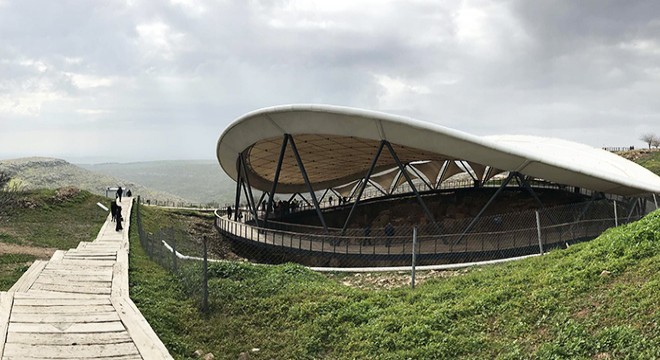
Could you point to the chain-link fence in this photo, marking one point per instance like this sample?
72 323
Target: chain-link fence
452 240
448 241
173 249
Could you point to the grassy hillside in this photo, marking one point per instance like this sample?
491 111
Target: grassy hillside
201 181
42 221
596 300
48 173
651 161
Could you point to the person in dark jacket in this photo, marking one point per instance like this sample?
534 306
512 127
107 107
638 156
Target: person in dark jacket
113 210
119 192
118 227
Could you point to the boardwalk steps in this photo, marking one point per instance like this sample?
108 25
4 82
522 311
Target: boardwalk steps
77 306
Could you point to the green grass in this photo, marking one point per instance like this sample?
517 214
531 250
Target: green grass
12 267
47 221
651 161
557 306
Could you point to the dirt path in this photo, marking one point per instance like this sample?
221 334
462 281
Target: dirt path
40 252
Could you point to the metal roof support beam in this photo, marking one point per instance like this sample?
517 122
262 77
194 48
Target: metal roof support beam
248 189
443 171
276 178
412 186
324 194
301 166
525 185
363 185
378 188
261 199
483 209
238 188
634 202
420 177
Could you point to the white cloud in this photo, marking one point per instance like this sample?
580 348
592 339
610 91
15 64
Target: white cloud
483 66
157 39
83 81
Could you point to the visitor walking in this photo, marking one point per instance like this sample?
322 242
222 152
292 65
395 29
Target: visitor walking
118 227
119 192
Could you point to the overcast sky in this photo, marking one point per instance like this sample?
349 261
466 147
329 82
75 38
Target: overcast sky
133 80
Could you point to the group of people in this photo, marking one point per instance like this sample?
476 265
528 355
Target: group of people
115 208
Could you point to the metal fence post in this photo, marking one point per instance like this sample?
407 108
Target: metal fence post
538 231
414 257
616 217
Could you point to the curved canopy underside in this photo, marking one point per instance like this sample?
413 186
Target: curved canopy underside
338 144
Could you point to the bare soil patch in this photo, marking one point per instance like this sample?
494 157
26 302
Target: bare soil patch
40 252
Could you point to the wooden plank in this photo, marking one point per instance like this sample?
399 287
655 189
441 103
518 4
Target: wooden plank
68 339
6 302
25 282
120 275
75 278
85 262
61 302
73 289
76 267
91 256
51 295
123 357
71 352
70 282
146 340
64 318
61 309
57 255
101 327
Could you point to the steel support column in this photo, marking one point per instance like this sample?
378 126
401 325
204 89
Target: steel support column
238 189
405 173
363 185
248 189
276 178
301 166
483 209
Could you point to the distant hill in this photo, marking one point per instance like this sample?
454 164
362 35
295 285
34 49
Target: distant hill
49 173
200 181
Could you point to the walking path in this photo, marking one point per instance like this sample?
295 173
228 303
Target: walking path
77 305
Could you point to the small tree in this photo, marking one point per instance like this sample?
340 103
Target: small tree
649 138
656 142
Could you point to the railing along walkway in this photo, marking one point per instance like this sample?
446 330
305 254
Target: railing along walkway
77 305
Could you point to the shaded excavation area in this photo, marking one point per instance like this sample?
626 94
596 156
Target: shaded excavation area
336 187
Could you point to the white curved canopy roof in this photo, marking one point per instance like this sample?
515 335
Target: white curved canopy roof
337 145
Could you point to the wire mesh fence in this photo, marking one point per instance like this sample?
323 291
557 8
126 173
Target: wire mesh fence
452 240
447 241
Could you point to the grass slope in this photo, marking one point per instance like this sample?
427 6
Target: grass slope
57 219
651 161
49 173
595 300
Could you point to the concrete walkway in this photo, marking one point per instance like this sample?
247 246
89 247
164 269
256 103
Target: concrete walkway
77 306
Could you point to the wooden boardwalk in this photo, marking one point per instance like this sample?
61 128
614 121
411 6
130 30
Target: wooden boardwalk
77 305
